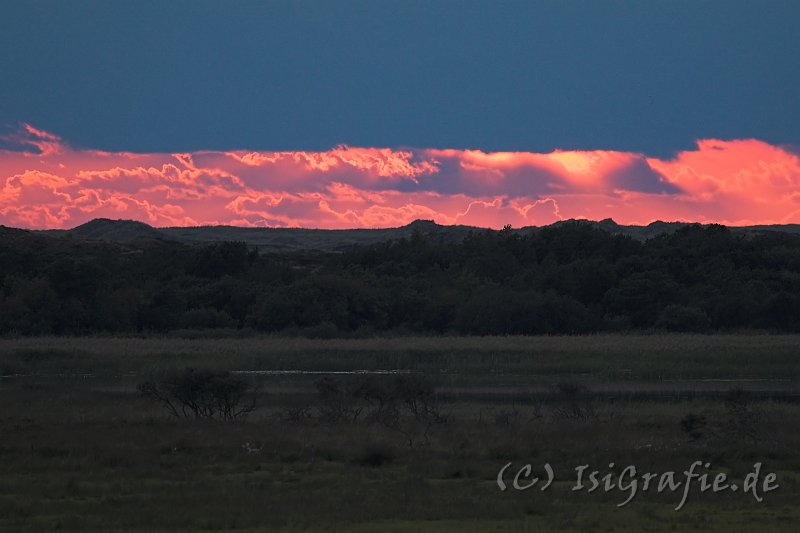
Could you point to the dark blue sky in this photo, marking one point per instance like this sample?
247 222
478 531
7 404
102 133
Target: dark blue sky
643 76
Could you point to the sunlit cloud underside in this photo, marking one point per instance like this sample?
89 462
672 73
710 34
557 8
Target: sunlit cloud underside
45 183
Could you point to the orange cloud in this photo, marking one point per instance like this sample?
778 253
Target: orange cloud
46 183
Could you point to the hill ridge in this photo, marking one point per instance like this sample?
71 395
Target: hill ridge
126 231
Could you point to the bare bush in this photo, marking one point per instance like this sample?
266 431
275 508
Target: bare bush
415 396
403 403
295 413
203 394
576 404
336 402
418 395
507 417
693 425
743 418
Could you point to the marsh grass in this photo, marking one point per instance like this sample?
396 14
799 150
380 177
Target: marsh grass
90 454
654 357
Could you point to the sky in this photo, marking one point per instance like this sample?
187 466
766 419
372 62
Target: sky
376 113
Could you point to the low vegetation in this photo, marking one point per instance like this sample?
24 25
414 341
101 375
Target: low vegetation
388 451
202 394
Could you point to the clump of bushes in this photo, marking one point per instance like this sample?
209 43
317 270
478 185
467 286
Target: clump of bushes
203 394
693 425
743 418
404 403
336 401
740 420
575 402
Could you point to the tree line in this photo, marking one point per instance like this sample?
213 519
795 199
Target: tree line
563 279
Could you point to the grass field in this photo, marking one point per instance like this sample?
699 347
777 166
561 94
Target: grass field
81 450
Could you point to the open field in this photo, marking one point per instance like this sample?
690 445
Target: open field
81 450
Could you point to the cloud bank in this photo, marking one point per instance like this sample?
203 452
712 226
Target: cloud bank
45 183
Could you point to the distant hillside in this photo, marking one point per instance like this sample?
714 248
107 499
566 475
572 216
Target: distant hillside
287 239
104 229
266 239
570 277
312 239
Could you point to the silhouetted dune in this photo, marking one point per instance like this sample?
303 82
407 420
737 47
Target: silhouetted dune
126 231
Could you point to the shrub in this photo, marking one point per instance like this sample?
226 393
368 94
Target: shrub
693 425
203 394
405 403
743 420
575 402
336 402
374 456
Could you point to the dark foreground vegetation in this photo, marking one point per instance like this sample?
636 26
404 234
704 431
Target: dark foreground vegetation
571 278
127 434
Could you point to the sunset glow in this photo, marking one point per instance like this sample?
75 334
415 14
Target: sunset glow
45 183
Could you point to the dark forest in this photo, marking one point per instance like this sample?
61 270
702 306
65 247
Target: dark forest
564 279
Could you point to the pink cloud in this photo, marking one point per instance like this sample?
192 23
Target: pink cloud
46 183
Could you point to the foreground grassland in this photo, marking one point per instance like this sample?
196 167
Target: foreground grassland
81 450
